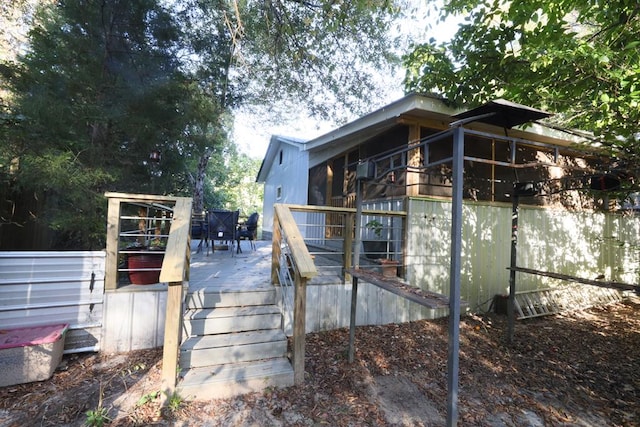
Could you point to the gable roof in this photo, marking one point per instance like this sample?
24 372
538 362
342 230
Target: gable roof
386 117
275 143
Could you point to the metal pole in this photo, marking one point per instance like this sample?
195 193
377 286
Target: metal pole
356 249
454 286
354 279
511 312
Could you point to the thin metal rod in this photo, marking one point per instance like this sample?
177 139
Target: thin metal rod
511 309
454 287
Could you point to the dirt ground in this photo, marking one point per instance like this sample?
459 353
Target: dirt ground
577 369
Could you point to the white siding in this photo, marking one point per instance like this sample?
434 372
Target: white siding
134 318
39 288
292 176
581 244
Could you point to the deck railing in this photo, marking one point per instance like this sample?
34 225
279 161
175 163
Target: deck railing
322 241
174 271
292 266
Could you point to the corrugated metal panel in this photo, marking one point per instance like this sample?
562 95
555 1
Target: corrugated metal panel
582 244
39 288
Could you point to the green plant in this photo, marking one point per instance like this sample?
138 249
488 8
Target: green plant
97 417
175 401
375 226
149 397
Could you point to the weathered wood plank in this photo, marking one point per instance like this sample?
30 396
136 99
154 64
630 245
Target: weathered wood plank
600 283
176 262
419 296
297 248
332 209
173 322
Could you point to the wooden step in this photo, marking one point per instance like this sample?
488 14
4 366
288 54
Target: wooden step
232 348
209 298
231 319
221 381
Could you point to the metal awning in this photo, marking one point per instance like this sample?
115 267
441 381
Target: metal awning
503 113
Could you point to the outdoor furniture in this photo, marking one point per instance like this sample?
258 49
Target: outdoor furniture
248 231
222 225
200 230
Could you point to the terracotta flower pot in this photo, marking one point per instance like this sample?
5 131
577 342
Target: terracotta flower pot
144 268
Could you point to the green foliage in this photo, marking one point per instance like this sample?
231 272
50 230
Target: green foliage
574 57
149 397
94 101
97 417
103 84
174 403
376 226
231 181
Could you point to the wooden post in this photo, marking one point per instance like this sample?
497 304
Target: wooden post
413 159
348 243
299 326
171 347
113 232
275 249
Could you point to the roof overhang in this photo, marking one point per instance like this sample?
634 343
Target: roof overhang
502 113
422 106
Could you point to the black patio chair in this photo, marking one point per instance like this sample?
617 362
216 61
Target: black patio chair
222 227
248 231
200 230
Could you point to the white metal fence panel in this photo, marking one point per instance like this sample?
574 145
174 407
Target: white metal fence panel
582 244
38 288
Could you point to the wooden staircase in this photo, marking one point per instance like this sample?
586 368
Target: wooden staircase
233 343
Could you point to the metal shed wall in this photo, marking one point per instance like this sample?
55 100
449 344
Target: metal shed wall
583 244
39 288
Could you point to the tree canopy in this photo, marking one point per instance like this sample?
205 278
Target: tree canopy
579 58
103 84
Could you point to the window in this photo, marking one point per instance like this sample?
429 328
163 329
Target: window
278 192
280 157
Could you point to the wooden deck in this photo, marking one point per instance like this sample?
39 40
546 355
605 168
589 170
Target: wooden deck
223 269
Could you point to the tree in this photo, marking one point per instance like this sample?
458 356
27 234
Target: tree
98 90
105 83
574 57
257 55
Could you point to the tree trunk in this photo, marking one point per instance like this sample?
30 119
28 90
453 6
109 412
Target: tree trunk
198 186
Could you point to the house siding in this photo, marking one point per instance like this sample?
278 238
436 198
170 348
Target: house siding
48 288
581 244
291 176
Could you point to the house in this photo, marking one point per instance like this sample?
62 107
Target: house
284 172
404 151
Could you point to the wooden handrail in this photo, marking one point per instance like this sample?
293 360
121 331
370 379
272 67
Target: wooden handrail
176 261
299 252
301 264
332 209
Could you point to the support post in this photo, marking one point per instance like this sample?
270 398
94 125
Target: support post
299 326
511 302
356 264
349 220
454 286
352 319
171 346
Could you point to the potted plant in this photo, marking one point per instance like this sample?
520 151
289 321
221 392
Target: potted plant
374 248
144 258
378 249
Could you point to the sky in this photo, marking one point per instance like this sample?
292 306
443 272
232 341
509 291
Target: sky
252 133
